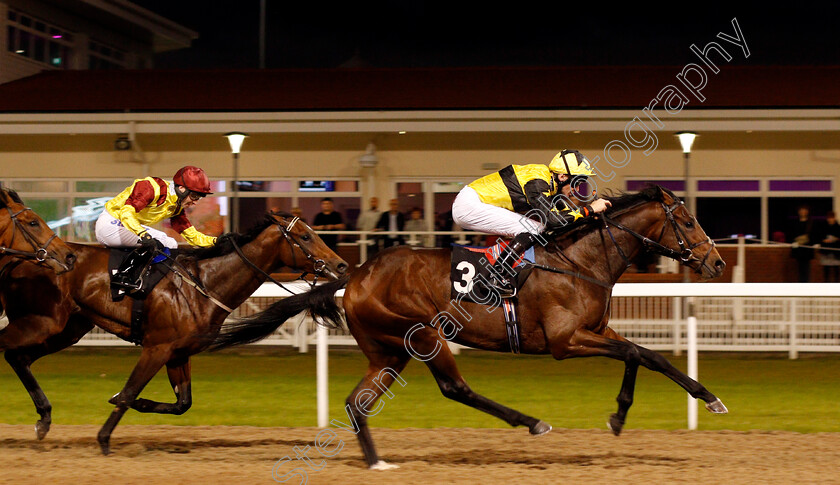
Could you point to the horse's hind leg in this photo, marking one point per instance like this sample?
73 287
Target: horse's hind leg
454 387
151 360
20 359
383 370
179 377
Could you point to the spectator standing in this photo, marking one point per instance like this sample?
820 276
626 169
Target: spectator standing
801 237
393 220
328 220
367 222
416 223
830 249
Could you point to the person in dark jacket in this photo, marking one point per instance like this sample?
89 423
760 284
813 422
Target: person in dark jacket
393 220
801 237
830 248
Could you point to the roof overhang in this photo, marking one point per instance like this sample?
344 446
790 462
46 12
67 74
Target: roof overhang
432 121
166 34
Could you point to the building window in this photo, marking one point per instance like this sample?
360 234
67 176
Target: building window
103 56
38 40
764 208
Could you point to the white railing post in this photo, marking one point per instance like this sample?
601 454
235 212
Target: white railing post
322 377
677 304
691 329
793 353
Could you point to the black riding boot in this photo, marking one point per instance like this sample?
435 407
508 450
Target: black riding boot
129 275
502 275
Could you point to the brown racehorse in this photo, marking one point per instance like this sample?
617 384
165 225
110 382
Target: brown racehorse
179 320
24 236
563 309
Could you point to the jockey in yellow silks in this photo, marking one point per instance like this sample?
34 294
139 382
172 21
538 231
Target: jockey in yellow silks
495 204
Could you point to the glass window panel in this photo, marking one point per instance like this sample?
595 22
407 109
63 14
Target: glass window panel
23 43
40 27
12 15
782 213
25 21
10 39
206 216
726 217
673 185
67 36
83 216
107 186
444 187
39 49
265 186
54 211
346 186
39 186
801 185
728 185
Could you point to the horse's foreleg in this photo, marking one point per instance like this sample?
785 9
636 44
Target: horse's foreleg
654 361
382 371
20 359
151 360
179 377
453 386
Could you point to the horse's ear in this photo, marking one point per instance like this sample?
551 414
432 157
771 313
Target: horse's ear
665 195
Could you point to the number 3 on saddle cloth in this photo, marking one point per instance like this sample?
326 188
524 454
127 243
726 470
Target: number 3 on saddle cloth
135 273
471 269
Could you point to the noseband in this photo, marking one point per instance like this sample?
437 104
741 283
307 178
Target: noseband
40 254
685 254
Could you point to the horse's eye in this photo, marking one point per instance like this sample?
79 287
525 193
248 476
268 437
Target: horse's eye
33 223
306 237
689 225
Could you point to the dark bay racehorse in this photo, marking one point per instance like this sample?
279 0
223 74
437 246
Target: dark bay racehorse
561 314
178 319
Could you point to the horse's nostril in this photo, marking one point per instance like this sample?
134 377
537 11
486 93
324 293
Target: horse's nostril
719 264
341 268
70 259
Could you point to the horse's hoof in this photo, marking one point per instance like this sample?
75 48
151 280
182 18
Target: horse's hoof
540 428
381 465
41 429
615 425
716 407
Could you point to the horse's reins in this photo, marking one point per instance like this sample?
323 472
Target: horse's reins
319 265
40 254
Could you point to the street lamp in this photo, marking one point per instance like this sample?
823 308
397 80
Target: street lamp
686 140
235 139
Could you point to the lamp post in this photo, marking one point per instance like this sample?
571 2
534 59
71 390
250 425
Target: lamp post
686 140
235 139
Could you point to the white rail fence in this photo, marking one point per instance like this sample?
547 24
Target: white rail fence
766 317
769 317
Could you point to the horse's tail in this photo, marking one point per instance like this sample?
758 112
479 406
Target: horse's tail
319 302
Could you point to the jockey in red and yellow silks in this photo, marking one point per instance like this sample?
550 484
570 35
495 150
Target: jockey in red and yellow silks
150 200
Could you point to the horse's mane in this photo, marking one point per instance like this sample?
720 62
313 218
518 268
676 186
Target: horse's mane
11 194
225 243
621 202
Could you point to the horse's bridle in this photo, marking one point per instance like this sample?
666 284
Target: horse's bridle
685 255
41 253
318 265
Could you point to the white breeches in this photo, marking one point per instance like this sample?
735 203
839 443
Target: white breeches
470 213
111 232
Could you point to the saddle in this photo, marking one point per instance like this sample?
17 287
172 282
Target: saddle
146 272
471 268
